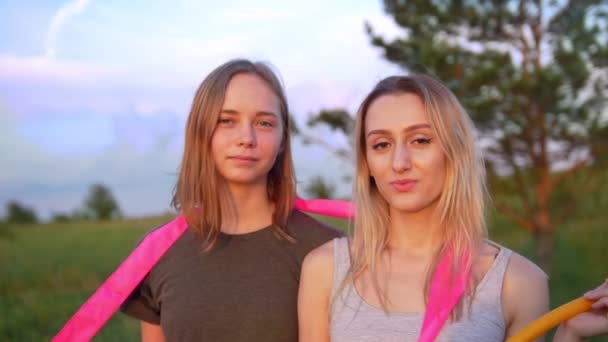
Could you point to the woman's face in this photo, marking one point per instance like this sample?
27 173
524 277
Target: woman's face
404 157
247 138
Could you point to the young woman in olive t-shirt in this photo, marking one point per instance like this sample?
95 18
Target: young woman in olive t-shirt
233 276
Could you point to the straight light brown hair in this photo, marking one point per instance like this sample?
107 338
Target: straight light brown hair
201 193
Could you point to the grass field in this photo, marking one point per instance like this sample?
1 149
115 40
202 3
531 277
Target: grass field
47 271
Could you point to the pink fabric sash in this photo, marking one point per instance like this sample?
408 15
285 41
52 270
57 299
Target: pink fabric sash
98 309
443 297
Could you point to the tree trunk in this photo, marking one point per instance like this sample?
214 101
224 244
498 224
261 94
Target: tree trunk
544 229
544 249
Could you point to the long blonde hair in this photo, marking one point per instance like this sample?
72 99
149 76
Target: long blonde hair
201 193
462 201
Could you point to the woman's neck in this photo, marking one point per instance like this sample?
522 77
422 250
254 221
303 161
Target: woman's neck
254 209
414 233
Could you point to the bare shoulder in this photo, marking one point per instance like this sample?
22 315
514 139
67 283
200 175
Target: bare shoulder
522 270
315 292
518 269
525 292
320 258
316 279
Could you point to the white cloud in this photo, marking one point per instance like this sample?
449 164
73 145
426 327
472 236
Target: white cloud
36 69
60 17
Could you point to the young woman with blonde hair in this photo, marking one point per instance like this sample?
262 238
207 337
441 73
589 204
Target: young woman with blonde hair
233 276
420 194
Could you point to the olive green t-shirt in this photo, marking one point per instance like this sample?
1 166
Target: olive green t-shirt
244 289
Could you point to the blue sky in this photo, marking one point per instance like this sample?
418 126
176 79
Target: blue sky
98 91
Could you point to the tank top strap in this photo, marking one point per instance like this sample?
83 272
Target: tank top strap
491 284
501 261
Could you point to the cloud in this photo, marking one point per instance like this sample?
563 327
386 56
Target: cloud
62 15
37 69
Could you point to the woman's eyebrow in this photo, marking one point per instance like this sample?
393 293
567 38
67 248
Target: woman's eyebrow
408 129
259 113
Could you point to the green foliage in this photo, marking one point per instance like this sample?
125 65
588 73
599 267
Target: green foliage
293 125
100 203
319 188
17 213
60 218
336 119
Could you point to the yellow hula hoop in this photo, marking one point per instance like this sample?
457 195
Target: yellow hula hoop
551 320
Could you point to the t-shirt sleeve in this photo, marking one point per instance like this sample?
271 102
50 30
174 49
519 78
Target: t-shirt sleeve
141 304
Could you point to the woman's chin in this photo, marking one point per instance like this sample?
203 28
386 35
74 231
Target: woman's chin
407 205
244 180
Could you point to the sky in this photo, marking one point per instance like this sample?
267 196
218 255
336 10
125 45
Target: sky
99 91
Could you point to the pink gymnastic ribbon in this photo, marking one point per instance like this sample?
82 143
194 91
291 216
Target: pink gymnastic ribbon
98 309
327 207
444 295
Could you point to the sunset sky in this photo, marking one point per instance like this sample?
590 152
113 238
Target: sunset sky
98 91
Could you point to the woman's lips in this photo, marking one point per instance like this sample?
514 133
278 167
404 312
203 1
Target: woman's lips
404 185
243 160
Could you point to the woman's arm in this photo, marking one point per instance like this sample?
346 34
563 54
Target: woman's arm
314 295
525 294
151 332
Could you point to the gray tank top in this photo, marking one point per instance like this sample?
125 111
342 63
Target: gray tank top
353 319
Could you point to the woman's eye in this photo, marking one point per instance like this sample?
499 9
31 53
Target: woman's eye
422 141
380 145
225 121
267 124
